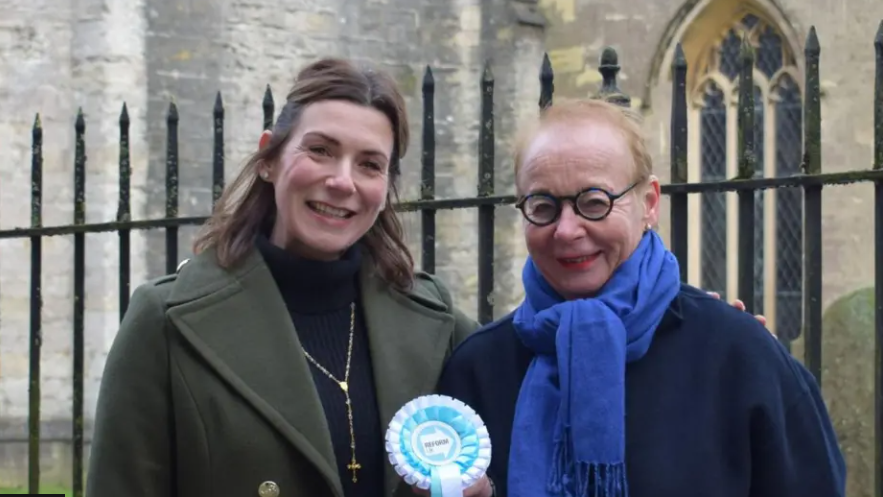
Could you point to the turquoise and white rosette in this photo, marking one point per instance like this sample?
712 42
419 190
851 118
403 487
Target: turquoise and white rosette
438 443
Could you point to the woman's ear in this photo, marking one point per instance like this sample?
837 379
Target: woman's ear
262 170
264 139
651 197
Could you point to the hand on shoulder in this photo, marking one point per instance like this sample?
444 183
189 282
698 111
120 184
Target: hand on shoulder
738 304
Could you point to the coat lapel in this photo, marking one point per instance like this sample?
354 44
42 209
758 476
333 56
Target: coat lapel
238 322
410 336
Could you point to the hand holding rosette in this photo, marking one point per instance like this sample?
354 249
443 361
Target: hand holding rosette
439 444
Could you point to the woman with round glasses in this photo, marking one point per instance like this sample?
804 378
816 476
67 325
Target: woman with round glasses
613 378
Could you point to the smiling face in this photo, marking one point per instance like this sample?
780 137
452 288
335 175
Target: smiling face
575 255
332 178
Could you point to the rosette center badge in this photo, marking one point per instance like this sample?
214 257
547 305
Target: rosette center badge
436 443
440 444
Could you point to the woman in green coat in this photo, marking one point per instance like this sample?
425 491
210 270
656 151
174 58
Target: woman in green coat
271 363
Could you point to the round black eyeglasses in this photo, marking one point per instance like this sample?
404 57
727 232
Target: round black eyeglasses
594 204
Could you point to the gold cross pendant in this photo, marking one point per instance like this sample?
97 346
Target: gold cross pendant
354 466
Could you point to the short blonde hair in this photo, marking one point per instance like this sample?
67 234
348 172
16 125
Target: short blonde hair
624 119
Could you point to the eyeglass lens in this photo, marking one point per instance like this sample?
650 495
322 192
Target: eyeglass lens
593 204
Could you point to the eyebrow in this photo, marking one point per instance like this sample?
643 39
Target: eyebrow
570 192
336 142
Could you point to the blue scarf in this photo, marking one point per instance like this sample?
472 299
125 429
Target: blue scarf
568 436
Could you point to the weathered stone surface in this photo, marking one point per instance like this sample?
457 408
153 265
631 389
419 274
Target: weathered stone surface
848 382
56 61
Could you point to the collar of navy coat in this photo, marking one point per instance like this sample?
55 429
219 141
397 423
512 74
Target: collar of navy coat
237 321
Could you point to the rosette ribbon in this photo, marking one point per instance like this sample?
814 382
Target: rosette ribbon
440 444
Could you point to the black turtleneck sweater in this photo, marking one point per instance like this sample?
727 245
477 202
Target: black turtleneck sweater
318 295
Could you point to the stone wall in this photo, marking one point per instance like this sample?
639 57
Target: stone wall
54 60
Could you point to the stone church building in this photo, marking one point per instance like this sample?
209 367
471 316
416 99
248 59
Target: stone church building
57 57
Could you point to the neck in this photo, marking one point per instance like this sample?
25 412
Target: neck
312 285
280 238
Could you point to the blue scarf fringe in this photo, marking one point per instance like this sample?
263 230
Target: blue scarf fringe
605 479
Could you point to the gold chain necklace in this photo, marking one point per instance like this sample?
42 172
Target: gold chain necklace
344 385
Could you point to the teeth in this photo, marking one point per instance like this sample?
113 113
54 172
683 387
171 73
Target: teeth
331 211
577 260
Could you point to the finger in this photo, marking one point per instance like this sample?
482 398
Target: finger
715 295
479 488
761 318
738 304
415 490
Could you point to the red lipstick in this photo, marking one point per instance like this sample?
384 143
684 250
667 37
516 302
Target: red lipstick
579 262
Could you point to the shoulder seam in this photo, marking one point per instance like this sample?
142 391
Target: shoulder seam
443 295
485 329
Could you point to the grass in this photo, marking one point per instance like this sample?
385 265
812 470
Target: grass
44 490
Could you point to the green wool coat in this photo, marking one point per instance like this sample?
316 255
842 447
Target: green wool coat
206 391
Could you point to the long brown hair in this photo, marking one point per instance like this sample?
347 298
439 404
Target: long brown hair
247 205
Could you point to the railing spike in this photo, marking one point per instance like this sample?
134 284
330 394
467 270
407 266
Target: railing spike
488 73
812 42
609 69
547 82
428 78
680 60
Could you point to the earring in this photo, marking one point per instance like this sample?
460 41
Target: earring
648 227
265 175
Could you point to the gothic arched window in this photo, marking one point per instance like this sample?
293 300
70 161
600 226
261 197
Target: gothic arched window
778 131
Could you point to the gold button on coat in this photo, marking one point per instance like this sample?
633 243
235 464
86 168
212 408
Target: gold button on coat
268 489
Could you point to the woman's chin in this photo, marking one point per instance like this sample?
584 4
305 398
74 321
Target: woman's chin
577 284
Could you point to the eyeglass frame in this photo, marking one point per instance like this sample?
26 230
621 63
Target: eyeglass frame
560 200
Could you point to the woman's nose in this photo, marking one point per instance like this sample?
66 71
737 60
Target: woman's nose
569 226
342 180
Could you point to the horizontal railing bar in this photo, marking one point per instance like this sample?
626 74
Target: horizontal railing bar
734 185
67 440
731 185
114 226
454 203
